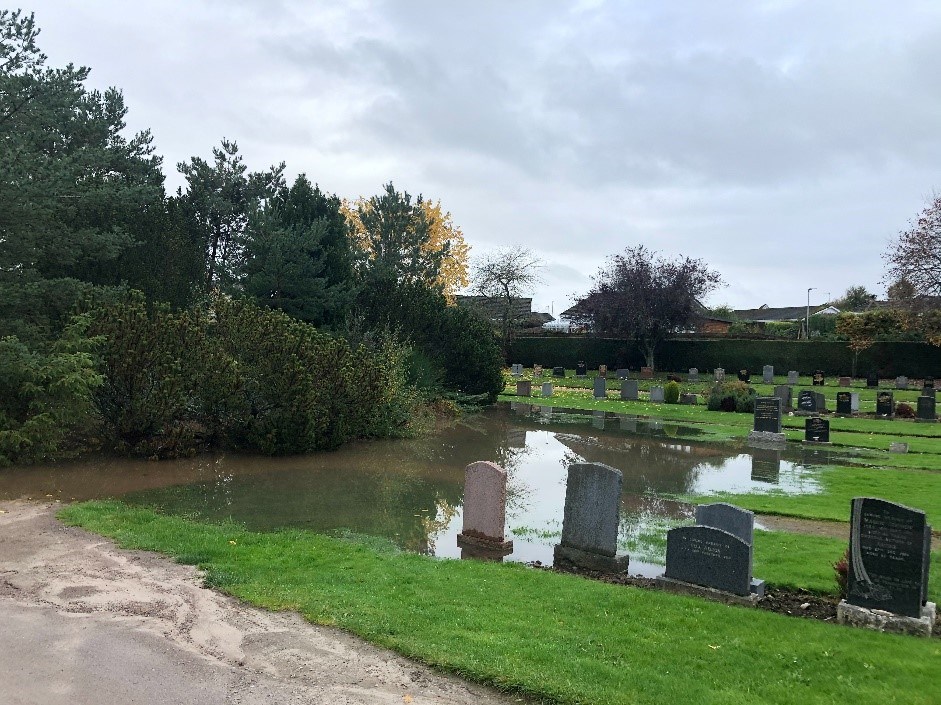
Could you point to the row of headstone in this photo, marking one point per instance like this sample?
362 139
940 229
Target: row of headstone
716 553
524 388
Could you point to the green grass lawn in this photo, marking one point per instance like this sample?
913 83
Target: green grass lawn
556 637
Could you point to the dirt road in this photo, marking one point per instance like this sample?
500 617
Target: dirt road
82 621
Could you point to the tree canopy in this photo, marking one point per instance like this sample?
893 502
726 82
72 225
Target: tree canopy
642 295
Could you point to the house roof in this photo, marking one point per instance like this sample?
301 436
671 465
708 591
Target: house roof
766 314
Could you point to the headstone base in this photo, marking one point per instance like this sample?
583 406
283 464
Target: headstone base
798 412
491 546
765 438
926 421
566 556
682 588
816 443
883 621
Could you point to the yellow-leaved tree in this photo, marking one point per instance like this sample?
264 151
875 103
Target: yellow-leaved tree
413 241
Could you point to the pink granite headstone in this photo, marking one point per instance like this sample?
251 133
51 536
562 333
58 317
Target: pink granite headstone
485 507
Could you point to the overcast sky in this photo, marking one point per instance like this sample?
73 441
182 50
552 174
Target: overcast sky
785 143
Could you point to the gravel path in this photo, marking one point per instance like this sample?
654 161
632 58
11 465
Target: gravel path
86 622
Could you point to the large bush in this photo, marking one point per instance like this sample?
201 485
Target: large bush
242 377
45 397
732 396
456 340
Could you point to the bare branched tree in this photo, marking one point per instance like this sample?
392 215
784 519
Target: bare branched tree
507 274
915 257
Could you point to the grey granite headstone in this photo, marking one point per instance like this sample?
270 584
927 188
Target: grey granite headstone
792 377
656 394
767 415
517 370
854 402
601 387
783 392
623 373
885 405
721 515
901 382
547 389
767 374
889 550
524 388
718 374
590 520
629 390
693 375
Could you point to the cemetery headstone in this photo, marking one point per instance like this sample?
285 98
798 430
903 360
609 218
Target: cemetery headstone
537 370
484 507
581 370
716 553
901 382
629 390
602 370
897 447
547 389
807 402
601 387
558 372
926 409
689 399
872 380
928 389
854 402
783 392
819 380
524 388
767 415
656 394
623 373
744 376
888 561
646 372
821 402
792 377
885 405
817 430
718 374
517 370
846 381
693 375
767 374
590 519
844 403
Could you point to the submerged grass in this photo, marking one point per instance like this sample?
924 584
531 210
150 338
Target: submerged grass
555 637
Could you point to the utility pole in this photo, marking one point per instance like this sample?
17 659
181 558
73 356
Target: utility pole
807 320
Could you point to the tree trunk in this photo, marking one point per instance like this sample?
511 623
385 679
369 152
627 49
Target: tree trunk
648 355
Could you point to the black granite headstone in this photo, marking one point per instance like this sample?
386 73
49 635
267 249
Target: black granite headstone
807 401
926 408
928 390
817 430
744 376
844 403
888 556
885 405
819 379
872 380
768 414
721 515
703 555
558 372
581 369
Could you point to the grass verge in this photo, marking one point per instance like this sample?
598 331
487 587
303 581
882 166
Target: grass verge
556 637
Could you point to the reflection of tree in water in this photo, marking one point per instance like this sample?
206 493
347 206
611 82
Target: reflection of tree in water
435 525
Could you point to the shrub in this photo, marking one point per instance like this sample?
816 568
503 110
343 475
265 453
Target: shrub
671 392
841 573
904 411
732 396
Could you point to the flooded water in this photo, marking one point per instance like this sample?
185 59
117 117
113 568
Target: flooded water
410 492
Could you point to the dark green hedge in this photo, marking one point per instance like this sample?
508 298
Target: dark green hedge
833 357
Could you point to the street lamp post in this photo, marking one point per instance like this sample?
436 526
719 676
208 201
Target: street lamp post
807 320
